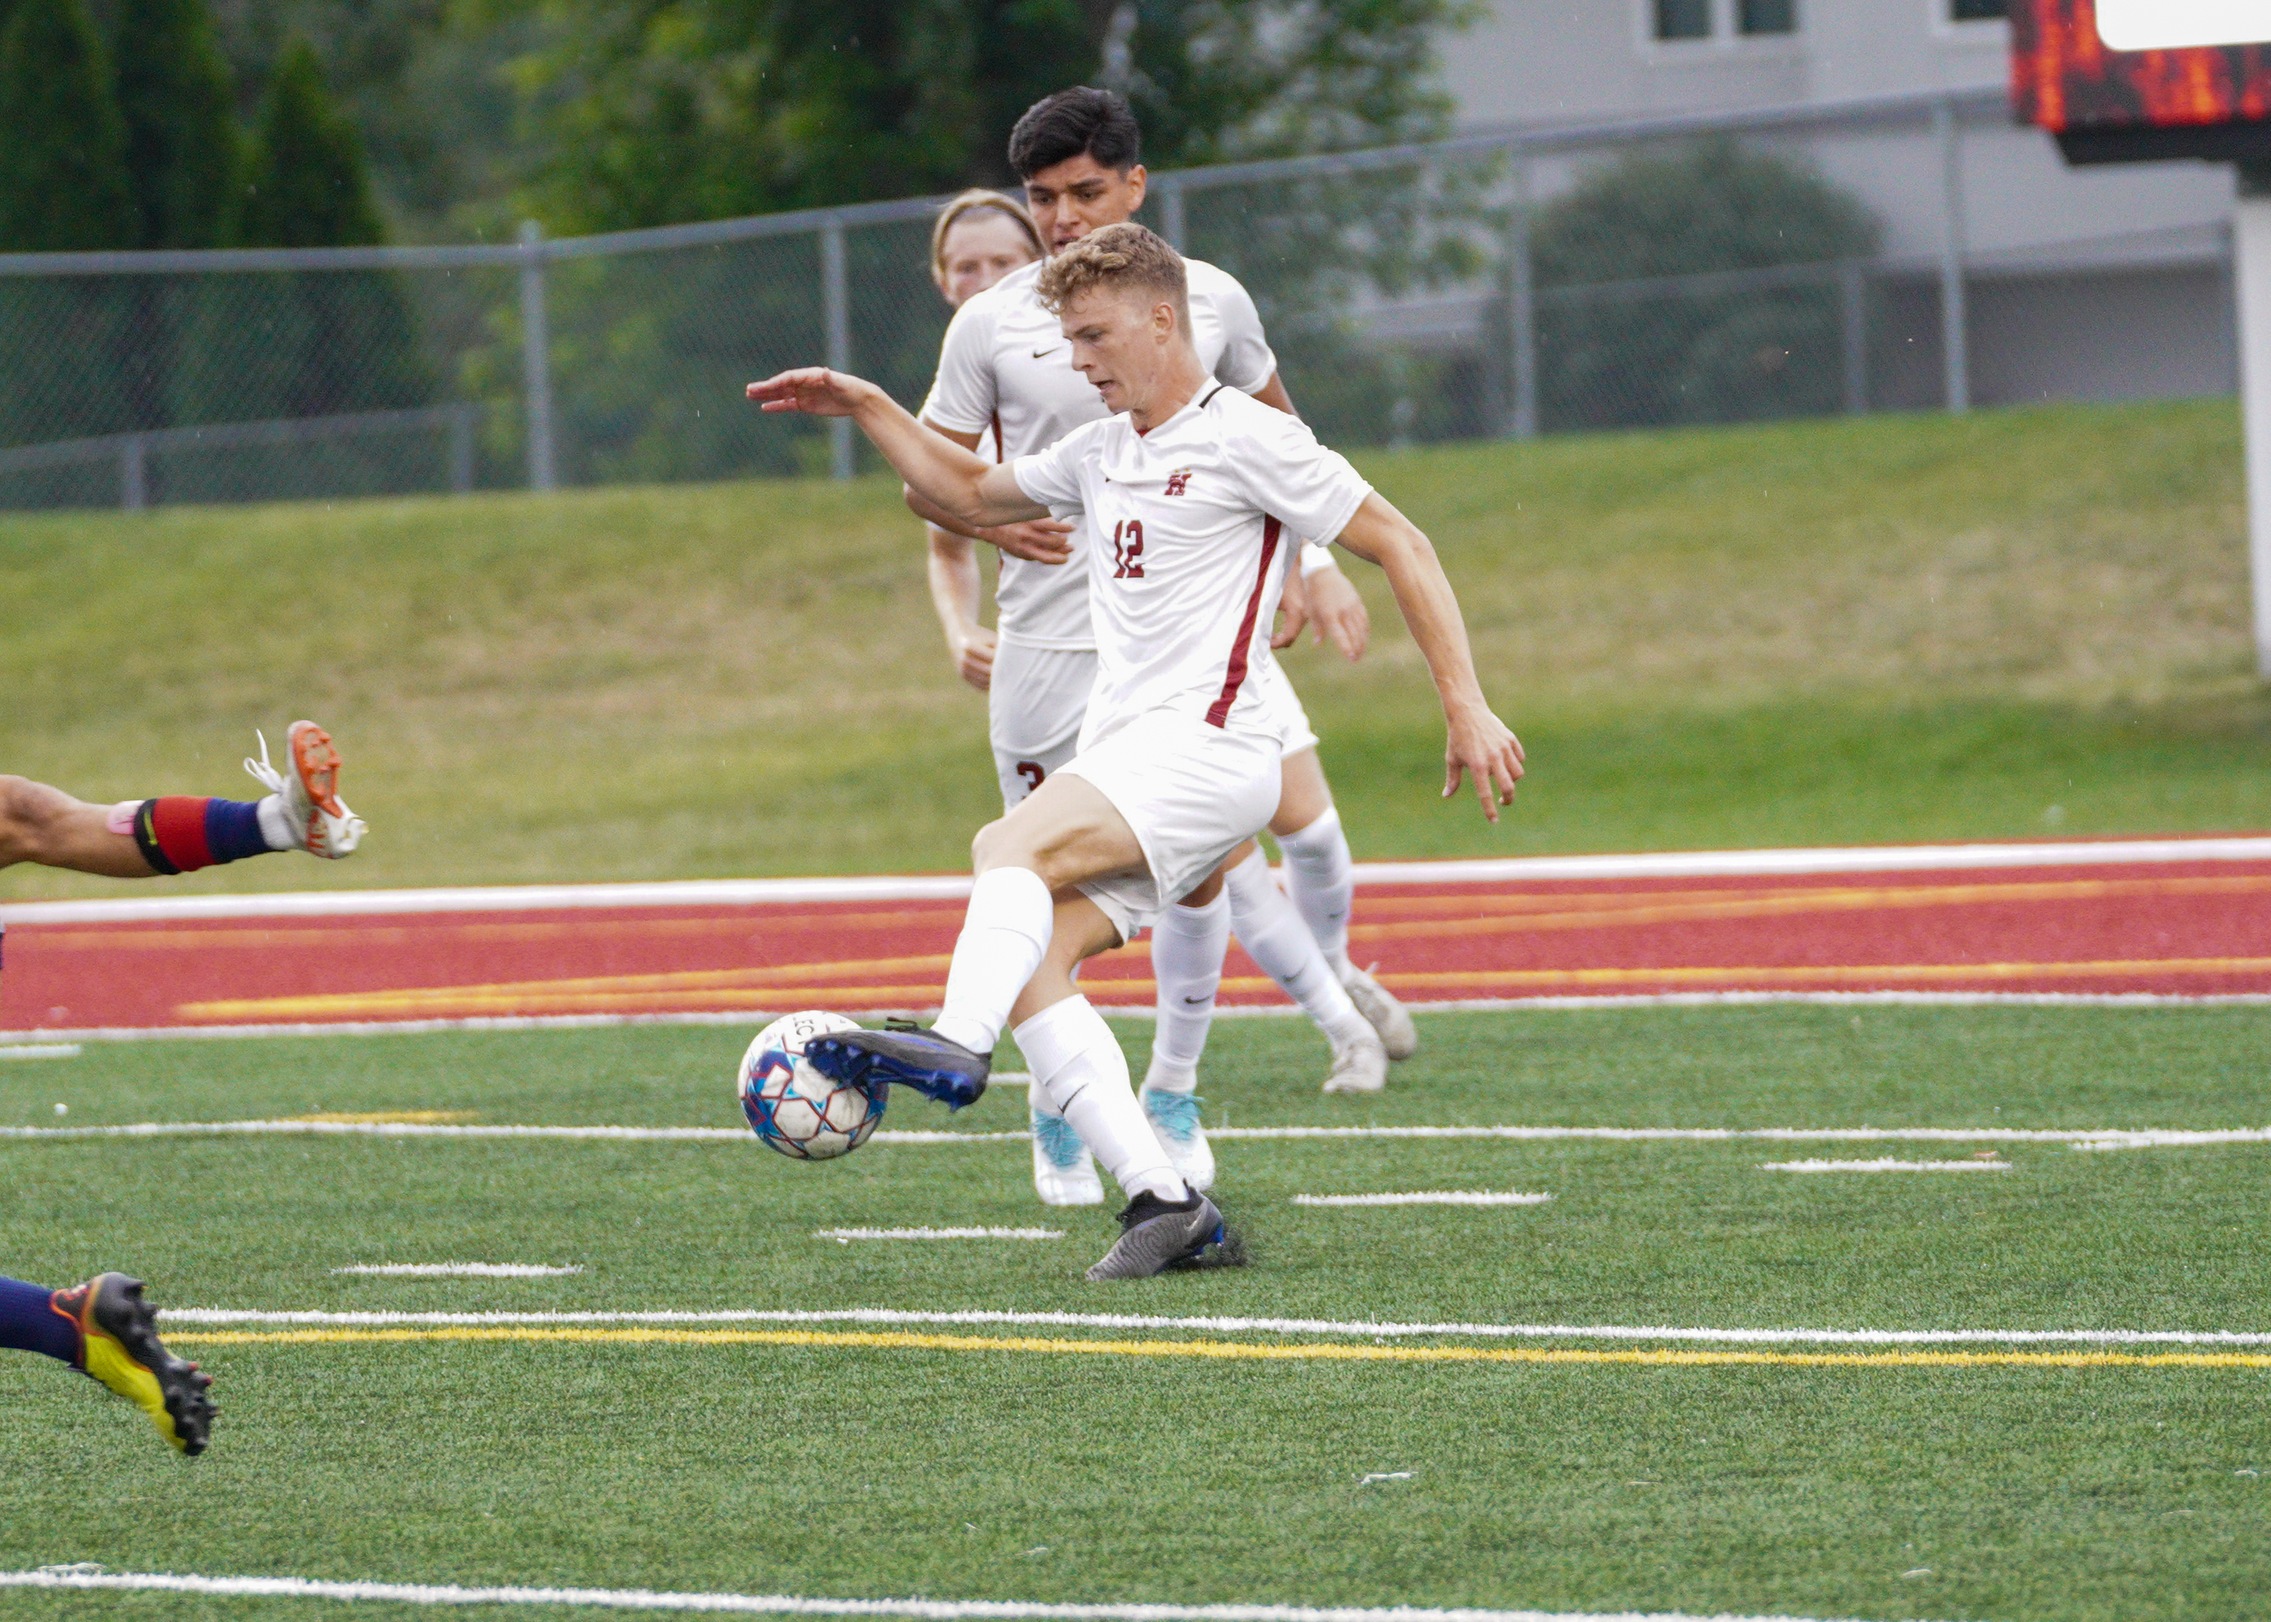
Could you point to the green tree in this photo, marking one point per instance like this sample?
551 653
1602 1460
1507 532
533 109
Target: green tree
1640 355
184 151
63 186
656 111
63 175
307 185
308 343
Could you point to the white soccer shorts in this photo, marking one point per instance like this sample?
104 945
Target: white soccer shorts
1034 708
1193 793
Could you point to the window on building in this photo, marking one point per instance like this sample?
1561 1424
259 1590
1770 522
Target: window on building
1683 19
1768 16
1978 11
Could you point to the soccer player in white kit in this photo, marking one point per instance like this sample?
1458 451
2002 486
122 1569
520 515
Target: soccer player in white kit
1195 491
1004 388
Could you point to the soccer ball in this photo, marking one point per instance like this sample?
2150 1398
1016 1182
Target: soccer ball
794 1108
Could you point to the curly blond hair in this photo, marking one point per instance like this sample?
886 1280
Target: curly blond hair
1115 256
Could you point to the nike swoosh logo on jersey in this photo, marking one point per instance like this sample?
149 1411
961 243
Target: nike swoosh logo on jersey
1044 354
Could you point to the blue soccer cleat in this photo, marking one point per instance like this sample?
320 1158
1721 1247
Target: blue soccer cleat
945 1072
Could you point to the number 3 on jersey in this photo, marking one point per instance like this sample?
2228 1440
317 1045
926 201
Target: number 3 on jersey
1127 549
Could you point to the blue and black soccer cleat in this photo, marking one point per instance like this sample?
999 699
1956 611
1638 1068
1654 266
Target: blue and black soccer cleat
944 1071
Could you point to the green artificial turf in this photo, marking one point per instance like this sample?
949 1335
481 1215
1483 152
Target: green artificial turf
2013 623
1873 1492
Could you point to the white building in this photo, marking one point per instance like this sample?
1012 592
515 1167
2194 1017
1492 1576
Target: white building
2103 283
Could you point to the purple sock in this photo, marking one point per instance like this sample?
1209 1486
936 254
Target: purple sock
30 1323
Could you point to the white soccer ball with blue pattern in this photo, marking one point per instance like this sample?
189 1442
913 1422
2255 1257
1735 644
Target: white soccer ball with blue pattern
794 1108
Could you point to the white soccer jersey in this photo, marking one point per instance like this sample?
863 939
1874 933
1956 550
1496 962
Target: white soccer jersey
1192 522
1005 373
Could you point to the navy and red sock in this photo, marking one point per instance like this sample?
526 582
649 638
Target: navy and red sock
181 833
30 1322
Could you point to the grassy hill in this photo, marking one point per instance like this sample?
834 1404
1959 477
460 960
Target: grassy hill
1847 631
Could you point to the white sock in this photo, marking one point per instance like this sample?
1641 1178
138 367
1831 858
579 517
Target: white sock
1275 937
1321 879
1004 935
275 827
1187 946
1080 1072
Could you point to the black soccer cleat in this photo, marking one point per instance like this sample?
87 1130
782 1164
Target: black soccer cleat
1158 1236
943 1071
119 1345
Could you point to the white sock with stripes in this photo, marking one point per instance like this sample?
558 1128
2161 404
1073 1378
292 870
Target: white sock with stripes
1275 937
1080 1072
1187 947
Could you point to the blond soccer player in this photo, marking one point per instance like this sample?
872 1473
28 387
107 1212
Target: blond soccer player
1193 489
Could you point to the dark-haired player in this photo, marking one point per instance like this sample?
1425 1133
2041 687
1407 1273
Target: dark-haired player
1179 756
108 1332
1003 372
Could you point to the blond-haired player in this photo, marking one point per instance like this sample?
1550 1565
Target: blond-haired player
1194 490
1004 388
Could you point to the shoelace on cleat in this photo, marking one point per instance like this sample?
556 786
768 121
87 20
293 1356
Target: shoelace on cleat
266 775
1174 1113
1058 1141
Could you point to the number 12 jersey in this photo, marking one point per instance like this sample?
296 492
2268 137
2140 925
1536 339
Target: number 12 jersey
1191 524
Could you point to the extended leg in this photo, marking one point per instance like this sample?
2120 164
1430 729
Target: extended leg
107 1331
1319 876
180 833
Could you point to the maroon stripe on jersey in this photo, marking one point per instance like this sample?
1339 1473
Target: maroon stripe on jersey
1218 713
999 454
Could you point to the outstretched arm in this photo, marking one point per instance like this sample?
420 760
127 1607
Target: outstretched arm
1479 745
967 489
1044 540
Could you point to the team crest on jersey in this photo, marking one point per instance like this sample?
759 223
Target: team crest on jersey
1178 481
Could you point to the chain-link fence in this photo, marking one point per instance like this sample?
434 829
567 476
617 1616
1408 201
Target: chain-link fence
1707 269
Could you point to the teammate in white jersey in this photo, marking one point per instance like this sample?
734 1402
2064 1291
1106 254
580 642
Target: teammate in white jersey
1195 492
977 239
1003 385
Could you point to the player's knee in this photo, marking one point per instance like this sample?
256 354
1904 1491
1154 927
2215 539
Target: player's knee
988 846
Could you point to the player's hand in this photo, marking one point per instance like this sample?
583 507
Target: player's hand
1037 540
1337 613
1482 747
814 390
1293 607
973 650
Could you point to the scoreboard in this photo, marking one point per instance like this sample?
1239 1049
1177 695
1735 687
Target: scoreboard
2165 97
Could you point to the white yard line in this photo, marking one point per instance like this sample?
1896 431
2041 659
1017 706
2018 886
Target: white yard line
2089 1138
845 1236
40 1050
1444 1197
1885 1165
955 886
1362 1329
460 1270
927 1610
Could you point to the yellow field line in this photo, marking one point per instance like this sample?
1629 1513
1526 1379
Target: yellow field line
1497 915
610 996
1257 1351
1831 973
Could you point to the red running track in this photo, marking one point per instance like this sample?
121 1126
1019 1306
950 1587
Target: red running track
2187 919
